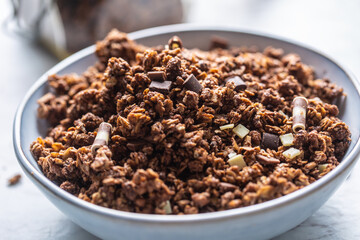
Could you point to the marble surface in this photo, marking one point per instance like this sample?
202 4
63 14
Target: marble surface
330 26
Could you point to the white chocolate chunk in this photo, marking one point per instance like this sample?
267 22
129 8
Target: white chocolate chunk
287 139
227 126
241 130
291 153
232 154
167 207
282 113
322 167
237 160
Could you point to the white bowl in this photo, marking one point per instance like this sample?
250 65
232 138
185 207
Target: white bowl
261 221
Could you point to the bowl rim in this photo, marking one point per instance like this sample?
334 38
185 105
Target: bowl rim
57 192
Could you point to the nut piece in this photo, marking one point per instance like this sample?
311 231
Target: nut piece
287 139
299 113
237 160
102 137
175 42
291 153
227 126
241 130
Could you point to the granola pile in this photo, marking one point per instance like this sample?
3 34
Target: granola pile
170 130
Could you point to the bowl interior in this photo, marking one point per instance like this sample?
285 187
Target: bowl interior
324 67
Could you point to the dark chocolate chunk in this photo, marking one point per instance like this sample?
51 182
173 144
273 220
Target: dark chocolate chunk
267 160
238 83
192 84
157 76
270 141
175 42
218 42
161 87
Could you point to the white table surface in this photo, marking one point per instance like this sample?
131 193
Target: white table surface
330 26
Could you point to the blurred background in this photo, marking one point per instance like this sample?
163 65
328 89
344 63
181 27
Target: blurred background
37 34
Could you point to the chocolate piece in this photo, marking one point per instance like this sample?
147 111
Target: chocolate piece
241 131
238 83
192 84
218 42
175 42
287 139
299 113
161 87
166 206
322 167
292 153
270 141
238 161
267 160
157 76
102 137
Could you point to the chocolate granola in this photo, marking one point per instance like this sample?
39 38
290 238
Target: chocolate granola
186 131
